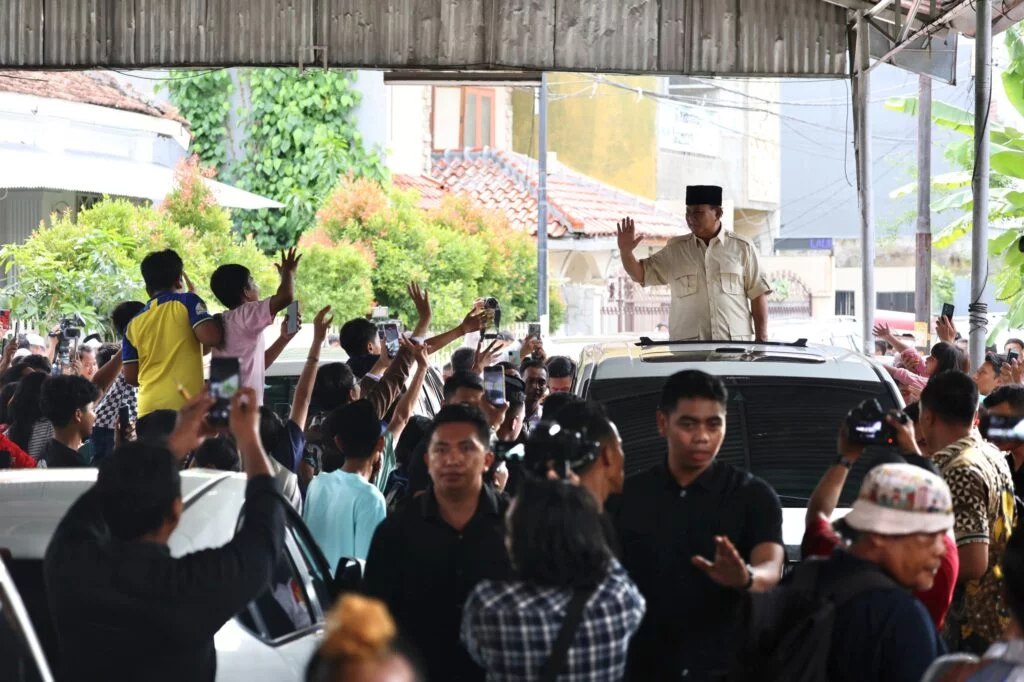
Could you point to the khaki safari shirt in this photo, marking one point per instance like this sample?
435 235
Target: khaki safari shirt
712 286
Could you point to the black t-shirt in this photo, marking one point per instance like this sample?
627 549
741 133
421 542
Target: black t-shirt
57 455
661 528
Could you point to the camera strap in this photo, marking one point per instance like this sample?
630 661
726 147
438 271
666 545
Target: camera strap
573 615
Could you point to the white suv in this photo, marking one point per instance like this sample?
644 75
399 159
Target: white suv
786 405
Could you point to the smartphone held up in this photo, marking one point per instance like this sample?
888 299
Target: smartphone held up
225 380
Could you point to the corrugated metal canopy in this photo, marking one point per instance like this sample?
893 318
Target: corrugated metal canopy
708 37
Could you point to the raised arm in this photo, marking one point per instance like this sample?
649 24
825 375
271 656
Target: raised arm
825 497
107 374
271 354
883 332
474 322
403 411
625 232
304 388
286 289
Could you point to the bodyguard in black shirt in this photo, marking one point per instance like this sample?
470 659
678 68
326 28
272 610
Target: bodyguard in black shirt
695 534
122 607
426 558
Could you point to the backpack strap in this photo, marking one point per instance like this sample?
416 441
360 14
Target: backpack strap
573 615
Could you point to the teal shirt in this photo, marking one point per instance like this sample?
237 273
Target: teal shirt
342 511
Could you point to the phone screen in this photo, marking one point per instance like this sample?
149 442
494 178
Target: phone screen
225 380
534 331
947 311
391 339
1012 355
494 385
293 317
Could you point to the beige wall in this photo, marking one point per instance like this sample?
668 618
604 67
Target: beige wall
886 279
409 129
816 272
448 117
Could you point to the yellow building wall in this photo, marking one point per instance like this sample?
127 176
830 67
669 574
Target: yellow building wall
605 133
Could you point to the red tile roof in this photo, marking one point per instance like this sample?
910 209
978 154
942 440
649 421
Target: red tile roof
431 191
577 204
86 87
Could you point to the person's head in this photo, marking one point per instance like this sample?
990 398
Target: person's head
607 474
26 408
219 453
1013 344
535 375
87 361
233 285
691 417
459 451
555 536
561 371
360 645
106 353
36 344
357 432
987 376
69 402
6 396
413 434
446 371
901 516
359 337
139 489
1005 401
335 386
163 271
34 363
12 375
515 395
463 360
949 403
703 210
463 388
944 358
156 427
333 341
881 348
554 404
273 436
123 314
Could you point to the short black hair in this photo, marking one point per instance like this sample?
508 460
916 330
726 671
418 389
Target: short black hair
272 436
415 431
555 403
137 486
11 375
997 361
1015 341
691 383
106 353
123 314
463 414
356 429
463 360
63 395
948 357
333 386
157 426
515 392
162 270
84 350
589 418
561 367
1012 394
462 379
882 346
26 409
532 363
952 396
556 536
219 453
229 282
6 395
356 335
37 363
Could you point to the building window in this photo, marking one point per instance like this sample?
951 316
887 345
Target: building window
845 304
477 118
900 301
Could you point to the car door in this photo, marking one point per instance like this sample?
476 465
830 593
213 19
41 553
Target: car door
21 655
288 615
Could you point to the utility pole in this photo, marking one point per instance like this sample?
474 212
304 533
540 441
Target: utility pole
979 230
923 297
862 137
542 206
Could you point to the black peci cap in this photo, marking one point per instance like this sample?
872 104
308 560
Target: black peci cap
703 194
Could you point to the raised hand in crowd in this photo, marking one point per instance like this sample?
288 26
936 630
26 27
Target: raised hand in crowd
404 408
533 347
485 357
192 427
304 387
945 329
421 299
188 283
273 352
1012 373
286 289
244 424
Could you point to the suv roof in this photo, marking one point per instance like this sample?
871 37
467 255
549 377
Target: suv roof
658 359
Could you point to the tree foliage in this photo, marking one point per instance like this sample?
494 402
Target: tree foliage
458 252
205 101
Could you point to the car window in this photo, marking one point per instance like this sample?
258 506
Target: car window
781 429
283 609
319 574
278 392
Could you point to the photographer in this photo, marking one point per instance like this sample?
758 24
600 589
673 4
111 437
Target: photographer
569 593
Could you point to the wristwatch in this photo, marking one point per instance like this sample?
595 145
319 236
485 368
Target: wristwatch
750 578
844 461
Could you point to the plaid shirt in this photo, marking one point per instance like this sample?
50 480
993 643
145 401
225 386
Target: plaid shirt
509 629
120 394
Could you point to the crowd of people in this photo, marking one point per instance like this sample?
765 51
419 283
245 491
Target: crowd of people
501 540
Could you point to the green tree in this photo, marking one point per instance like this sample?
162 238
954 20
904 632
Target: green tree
337 275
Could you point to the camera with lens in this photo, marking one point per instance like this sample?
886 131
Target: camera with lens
493 309
551 448
1001 429
69 332
866 425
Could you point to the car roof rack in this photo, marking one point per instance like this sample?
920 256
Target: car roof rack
647 342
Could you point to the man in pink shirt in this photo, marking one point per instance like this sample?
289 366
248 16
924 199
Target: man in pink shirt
248 316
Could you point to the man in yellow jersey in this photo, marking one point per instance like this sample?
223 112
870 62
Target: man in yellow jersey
163 344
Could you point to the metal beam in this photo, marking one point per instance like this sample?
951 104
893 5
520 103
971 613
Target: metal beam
910 20
939 23
862 143
979 228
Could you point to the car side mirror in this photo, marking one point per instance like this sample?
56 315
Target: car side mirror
348 575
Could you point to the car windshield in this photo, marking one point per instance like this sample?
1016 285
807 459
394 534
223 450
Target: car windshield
780 429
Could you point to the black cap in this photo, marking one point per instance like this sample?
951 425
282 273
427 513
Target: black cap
515 390
703 194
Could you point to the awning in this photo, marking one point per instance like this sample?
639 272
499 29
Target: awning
33 168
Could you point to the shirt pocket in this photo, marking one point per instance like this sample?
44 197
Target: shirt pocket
731 275
684 285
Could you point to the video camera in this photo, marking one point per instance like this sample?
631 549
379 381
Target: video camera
999 429
67 341
551 448
866 424
494 308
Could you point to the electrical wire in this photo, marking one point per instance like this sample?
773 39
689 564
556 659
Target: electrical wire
197 74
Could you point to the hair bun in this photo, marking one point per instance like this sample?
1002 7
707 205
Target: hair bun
358 629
